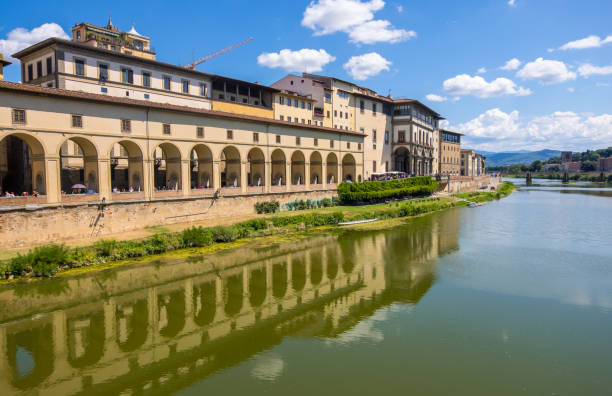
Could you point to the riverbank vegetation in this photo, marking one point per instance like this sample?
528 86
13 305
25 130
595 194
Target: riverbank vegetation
376 191
583 177
504 190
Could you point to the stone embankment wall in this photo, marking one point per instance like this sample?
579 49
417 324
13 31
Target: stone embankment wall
460 184
27 226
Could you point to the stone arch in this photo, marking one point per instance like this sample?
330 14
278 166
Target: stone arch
85 337
233 294
204 303
132 323
257 287
36 342
127 166
298 273
279 168
401 160
256 169
167 167
171 313
298 168
332 168
349 169
230 167
79 164
316 168
332 264
279 280
22 164
201 167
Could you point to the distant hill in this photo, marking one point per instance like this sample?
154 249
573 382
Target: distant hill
518 157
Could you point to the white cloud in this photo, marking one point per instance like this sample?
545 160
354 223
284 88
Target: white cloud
587 42
512 64
496 130
379 31
354 17
546 71
481 70
436 98
511 3
367 65
20 38
571 89
306 59
587 70
400 8
466 85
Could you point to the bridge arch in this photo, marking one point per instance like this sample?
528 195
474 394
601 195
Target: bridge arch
22 164
127 166
79 164
230 167
166 167
201 167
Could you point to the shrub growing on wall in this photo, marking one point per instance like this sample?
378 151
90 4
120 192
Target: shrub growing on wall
267 207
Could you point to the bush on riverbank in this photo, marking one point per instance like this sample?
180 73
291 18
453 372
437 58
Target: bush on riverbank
504 190
375 191
300 204
272 206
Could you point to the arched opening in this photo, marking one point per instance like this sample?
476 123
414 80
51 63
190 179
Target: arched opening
30 355
233 295
332 168
230 167
279 280
279 168
126 167
204 303
316 168
22 166
167 167
132 322
298 274
257 287
298 168
401 159
79 166
171 313
201 166
256 168
332 264
85 338
348 168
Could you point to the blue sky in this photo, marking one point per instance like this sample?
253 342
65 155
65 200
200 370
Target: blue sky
448 54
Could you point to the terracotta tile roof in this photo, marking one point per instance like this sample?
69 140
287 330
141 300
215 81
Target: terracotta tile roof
91 97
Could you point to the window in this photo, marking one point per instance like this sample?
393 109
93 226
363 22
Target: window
335 113
19 116
328 97
331 144
327 113
303 121
200 132
340 114
78 34
401 136
346 116
103 71
358 146
49 65
348 145
281 100
233 98
202 89
127 75
30 72
342 94
361 130
295 103
298 140
79 67
296 120
309 122
167 81
230 134
255 137
104 90
185 85
166 129
146 96
302 104
77 121
309 106
374 134
373 108
146 79
278 139
373 166
282 118
39 71
361 106
386 166
316 141
126 126
374 146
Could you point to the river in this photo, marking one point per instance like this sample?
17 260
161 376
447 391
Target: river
514 297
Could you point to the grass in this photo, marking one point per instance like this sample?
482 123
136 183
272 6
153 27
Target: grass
504 190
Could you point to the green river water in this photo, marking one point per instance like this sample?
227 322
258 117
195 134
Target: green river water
514 297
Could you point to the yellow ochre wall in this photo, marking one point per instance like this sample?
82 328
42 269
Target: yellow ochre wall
236 108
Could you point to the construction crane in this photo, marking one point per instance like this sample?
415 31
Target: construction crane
208 57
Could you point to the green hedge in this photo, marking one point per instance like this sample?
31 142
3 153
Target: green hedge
372 191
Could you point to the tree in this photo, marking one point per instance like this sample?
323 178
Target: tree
536 166
589 166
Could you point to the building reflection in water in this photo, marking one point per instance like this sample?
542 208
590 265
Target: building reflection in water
166 325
